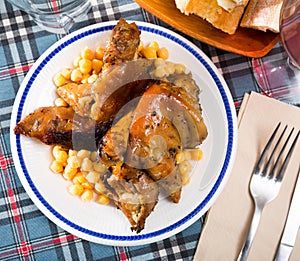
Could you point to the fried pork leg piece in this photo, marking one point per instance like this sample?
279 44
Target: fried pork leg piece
103 99
165 121
153 145
136 196
113 146
132 190
122 78
60 125
184 108
123 44
121 83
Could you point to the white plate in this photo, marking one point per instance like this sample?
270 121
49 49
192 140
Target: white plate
105 224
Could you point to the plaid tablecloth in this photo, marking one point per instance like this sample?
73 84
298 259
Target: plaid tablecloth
25 233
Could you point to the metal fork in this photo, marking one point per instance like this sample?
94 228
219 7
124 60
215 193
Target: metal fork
265 183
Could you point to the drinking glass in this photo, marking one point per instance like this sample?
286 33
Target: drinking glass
53 15
280 78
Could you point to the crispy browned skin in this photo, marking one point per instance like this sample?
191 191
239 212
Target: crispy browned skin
134 192
103 99
164 122
113 145
72 93
153 145
122 47
136 195
60 125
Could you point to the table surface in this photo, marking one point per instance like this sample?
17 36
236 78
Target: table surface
26 234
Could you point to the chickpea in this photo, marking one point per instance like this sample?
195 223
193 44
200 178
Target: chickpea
59 80
159 72
154 45
76 75
61 156
59 102
83 154
76 189
86 165
163 53
87 195
66 72
170 68
87 53
96 66
149 53
69 172
179 68
102 199
57 167
99 53
74 161
76 61
79 178
85 66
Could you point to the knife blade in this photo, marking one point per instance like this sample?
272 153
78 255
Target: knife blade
291 226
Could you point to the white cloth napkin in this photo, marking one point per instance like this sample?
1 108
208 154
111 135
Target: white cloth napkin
228 220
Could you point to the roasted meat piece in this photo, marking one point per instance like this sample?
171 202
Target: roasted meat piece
60 125
113 146
153 145
179 102
149 143
72 93
122 78
123 44
164 122
93 107
133 191
136 195
103 99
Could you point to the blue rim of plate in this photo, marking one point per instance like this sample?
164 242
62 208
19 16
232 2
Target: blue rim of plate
179 223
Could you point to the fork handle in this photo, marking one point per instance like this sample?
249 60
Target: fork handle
252 230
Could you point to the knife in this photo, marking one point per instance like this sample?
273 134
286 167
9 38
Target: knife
291 227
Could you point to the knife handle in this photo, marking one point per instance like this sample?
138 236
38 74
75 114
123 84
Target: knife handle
283 253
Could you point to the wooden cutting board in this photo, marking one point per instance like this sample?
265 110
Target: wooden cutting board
246 42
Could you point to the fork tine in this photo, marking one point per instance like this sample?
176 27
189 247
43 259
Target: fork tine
287 159
264 153
266 169
272 173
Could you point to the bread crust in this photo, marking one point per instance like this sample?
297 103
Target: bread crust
210 10
262 15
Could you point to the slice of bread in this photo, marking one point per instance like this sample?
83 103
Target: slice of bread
262 15
213 13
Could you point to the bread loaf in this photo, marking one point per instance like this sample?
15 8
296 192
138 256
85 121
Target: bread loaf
262 15
210 10
227 15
